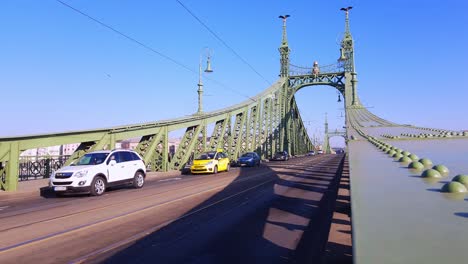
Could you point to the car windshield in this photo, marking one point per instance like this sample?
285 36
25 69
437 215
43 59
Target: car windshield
248 155
91 159
205 156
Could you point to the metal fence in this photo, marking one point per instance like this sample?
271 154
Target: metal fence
37 167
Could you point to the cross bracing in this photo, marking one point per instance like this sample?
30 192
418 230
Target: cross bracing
265 123
253 125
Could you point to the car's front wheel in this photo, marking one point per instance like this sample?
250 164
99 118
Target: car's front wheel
98 186
138 180
215 169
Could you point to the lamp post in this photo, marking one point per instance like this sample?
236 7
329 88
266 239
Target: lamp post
200 83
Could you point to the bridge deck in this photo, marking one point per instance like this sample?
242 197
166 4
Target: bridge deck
397 216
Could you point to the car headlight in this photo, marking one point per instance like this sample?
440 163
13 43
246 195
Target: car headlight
209 163
81 174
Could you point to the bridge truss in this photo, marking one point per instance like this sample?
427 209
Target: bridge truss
266 123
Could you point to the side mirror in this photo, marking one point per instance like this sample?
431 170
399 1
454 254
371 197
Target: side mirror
112 162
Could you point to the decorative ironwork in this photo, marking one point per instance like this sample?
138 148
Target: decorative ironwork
216 136
186 147
2 176
32 167
295 70
336 80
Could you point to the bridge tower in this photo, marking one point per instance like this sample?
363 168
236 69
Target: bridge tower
326 143
347 61
284 51
285 108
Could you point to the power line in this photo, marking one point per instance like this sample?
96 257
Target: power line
148 47
223 42
126 36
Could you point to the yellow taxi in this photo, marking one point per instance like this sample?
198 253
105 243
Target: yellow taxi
210 162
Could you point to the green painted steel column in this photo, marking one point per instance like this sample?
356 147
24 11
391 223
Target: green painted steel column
204 147
284 51
283 102
12 170
165 154
221 141
326 143
112 141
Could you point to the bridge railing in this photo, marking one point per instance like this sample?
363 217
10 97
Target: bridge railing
36 167
257 124
295 70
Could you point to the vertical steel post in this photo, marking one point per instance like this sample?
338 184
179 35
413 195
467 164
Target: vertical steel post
111 141
12 170
165 149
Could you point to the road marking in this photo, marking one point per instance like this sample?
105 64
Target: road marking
122 215
4 207
170 179
155 228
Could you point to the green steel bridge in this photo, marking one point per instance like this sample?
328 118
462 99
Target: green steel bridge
396 217
266 123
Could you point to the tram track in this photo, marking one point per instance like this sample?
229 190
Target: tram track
133 212
155 228
256 177
118 203
91 256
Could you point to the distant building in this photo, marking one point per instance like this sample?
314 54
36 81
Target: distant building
68 149
60 150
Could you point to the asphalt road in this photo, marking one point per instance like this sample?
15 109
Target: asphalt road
276 213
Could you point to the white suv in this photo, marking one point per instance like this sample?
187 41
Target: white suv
97 170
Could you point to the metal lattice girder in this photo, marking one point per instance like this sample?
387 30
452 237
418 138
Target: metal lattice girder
82 149
252 126
12 167
3 185
336 80
143 147
221 134
302 139
236 136
153 149
257 129
107 141
252 134
160 152
201 140
217 135
245 133
270 127
227 135
186 147
264 129
277 122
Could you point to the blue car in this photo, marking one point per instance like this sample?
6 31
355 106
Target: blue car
249 159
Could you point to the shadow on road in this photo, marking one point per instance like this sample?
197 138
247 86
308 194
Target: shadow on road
283 217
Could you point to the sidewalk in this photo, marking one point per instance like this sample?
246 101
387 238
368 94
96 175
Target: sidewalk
32 186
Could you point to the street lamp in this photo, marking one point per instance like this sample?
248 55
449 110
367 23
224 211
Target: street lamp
200 83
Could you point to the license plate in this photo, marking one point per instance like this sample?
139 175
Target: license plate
60 188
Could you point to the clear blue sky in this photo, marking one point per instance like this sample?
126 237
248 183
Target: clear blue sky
60 71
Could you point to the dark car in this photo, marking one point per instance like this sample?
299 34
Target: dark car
249 159
280 155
